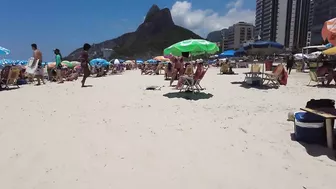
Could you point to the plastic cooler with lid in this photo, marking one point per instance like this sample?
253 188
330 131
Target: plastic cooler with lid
309 128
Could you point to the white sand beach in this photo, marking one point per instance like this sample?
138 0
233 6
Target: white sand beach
118 135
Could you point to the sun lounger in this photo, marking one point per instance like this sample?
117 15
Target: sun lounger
314 78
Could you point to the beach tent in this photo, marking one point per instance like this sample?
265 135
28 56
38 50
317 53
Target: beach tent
228 53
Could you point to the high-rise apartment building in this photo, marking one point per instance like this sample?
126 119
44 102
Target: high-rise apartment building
238 34
286 24
297 23
323 10
310 22
266 19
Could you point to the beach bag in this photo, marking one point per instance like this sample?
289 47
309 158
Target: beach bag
320 103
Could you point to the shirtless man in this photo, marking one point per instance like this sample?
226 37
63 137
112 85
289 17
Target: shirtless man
39 71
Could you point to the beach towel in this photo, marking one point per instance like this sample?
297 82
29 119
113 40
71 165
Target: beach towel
31 66
284 78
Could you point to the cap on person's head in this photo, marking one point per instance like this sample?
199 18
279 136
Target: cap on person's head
34 46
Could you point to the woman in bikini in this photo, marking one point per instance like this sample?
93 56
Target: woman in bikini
178 66
84 59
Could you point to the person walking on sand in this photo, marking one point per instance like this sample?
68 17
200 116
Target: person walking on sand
84 60
58 59
290 63
38 57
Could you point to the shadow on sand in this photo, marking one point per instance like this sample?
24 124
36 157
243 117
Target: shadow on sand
227 73
247 86
87 86
316 150
323 86
189 95
9 89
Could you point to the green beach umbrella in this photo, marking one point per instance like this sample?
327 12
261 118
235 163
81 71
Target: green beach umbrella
193 46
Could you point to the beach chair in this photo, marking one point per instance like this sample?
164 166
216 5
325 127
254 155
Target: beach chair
13 76
255 72
274 78
314 78
192 84
5 72
198 81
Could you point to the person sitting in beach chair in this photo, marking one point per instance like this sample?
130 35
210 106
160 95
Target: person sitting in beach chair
326 70
188 74
192 83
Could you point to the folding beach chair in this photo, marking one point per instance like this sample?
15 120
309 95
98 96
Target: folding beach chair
5 72
314 78
274 78
190 84
13 76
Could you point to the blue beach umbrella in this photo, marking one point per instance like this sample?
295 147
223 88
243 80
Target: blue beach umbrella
152 61
240 52
228 53
264 48
99 62
4 51
329 45
139 61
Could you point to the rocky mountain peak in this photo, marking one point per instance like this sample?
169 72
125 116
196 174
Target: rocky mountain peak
156 20
152 11
157 32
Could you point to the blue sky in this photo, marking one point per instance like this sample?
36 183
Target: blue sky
67 24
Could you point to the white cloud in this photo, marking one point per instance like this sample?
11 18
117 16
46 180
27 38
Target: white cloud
203 21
